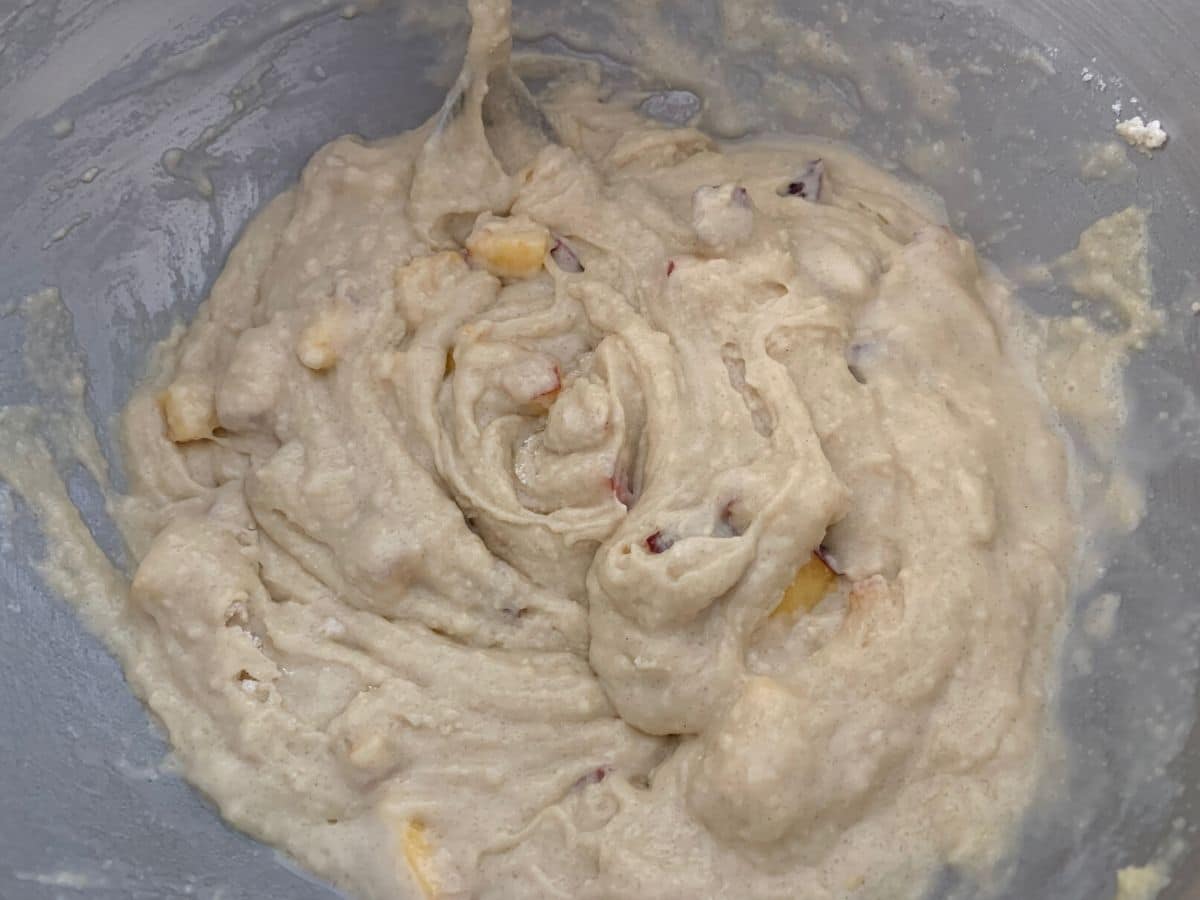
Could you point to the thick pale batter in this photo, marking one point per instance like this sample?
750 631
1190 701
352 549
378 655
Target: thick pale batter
623 517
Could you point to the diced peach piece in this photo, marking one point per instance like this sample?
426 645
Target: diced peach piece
189 409
812 582
414 841
320 341
510 248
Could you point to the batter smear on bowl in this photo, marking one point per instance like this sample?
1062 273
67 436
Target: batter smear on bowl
574 506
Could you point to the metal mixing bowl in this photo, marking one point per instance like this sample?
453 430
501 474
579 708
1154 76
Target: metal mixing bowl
246 91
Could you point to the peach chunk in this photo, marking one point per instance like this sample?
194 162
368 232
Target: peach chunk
510 248
189 409
812 582
414 842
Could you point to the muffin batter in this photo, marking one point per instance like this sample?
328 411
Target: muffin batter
596 511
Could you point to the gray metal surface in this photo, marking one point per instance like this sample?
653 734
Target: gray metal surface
87 808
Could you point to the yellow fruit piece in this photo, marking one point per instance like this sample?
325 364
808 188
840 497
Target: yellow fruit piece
188 409
318 343
807 589
414 841
510 248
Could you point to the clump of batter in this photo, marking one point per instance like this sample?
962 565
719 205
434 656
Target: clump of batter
598 511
